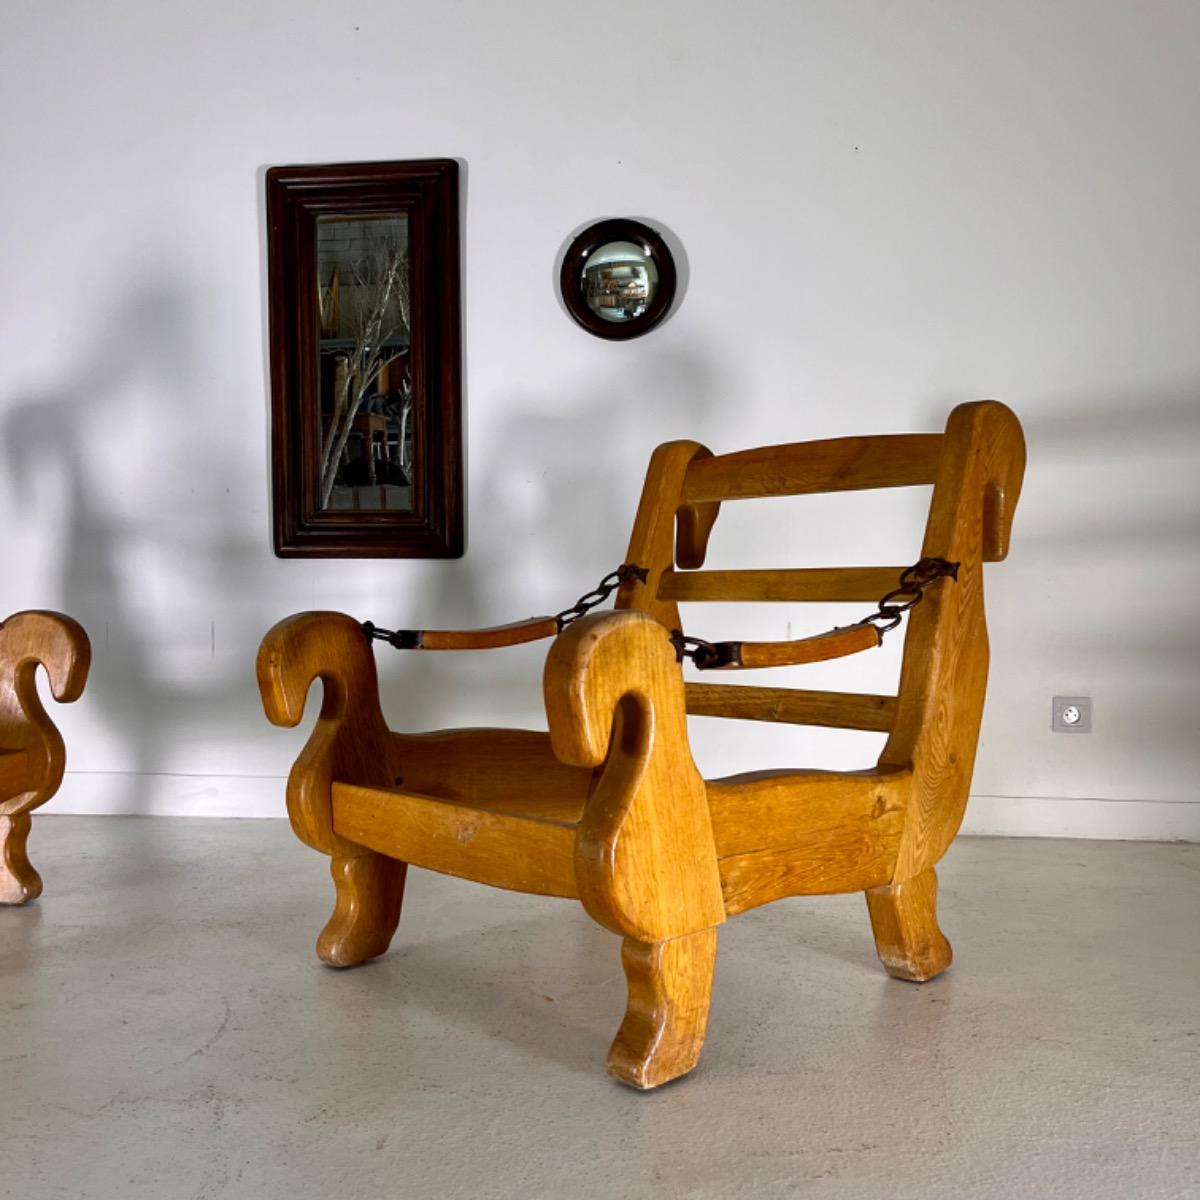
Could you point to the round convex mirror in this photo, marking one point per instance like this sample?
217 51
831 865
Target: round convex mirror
618 279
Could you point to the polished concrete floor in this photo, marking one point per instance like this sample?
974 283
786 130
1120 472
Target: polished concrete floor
166 1032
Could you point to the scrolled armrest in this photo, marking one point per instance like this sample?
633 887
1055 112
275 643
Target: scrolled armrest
350 741
645 860
37 759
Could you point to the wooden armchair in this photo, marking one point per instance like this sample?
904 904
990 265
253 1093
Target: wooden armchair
608 806
31 748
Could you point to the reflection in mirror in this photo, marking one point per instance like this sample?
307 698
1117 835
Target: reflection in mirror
365 372
619 281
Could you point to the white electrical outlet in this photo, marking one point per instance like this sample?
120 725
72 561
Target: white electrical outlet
1071 714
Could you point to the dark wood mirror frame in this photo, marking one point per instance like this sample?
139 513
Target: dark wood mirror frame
617 229
426 193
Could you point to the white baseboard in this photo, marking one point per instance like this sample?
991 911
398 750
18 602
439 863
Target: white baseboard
128 794
98 792
1057 816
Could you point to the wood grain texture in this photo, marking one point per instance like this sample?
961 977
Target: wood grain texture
493 769
644 859
670 987
499 845
349 741
32 754
652 542
839 464
19 880
839 710
904 920
943 675
865 584
368 891
798 833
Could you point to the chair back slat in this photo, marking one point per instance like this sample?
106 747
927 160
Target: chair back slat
794 706
835 465
831 584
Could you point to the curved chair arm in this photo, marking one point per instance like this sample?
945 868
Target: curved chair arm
645 860
350 740
58 643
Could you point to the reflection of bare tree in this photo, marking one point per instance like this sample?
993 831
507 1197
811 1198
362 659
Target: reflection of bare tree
379 303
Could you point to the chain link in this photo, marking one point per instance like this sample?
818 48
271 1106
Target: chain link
913 582
601 592
709 656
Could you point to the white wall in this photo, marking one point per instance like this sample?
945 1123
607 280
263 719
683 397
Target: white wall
885 209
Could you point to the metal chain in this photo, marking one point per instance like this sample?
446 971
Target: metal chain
913 582
410 639
708 656
601 592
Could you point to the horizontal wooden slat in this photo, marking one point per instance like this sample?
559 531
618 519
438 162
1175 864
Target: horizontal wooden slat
797 833
793 706
866 584
836 465
504 849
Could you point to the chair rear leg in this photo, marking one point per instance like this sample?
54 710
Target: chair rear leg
670 984
370 888
904 919
19 882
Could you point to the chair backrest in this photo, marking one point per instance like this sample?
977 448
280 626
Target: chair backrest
975 467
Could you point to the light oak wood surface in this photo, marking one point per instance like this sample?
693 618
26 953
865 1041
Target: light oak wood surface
836 465
839 710
608 806
32 754
864 584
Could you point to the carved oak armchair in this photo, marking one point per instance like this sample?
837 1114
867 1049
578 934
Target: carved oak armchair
32 756
608 807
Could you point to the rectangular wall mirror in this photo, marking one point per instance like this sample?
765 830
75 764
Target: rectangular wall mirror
366 359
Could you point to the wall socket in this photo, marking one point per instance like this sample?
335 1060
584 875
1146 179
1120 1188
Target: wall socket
1071 714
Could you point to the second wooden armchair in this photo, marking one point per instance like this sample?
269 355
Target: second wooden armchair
607 807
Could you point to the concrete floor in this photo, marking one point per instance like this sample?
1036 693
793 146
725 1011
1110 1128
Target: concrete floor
166 1032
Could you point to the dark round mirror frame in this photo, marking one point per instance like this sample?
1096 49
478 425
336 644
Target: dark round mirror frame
570 280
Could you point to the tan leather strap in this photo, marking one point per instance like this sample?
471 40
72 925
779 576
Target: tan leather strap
493 638
717 656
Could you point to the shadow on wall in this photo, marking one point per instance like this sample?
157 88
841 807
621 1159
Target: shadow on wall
553 503
124 442
1129 438
1106 555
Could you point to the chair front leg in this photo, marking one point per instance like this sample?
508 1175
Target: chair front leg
33 758
19 880
645 859
350 743
904 919
670 984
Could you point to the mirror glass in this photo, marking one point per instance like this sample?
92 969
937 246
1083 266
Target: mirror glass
619 281
366 387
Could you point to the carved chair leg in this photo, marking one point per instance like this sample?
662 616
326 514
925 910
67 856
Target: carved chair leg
907 937
19 882
370 888
670 984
